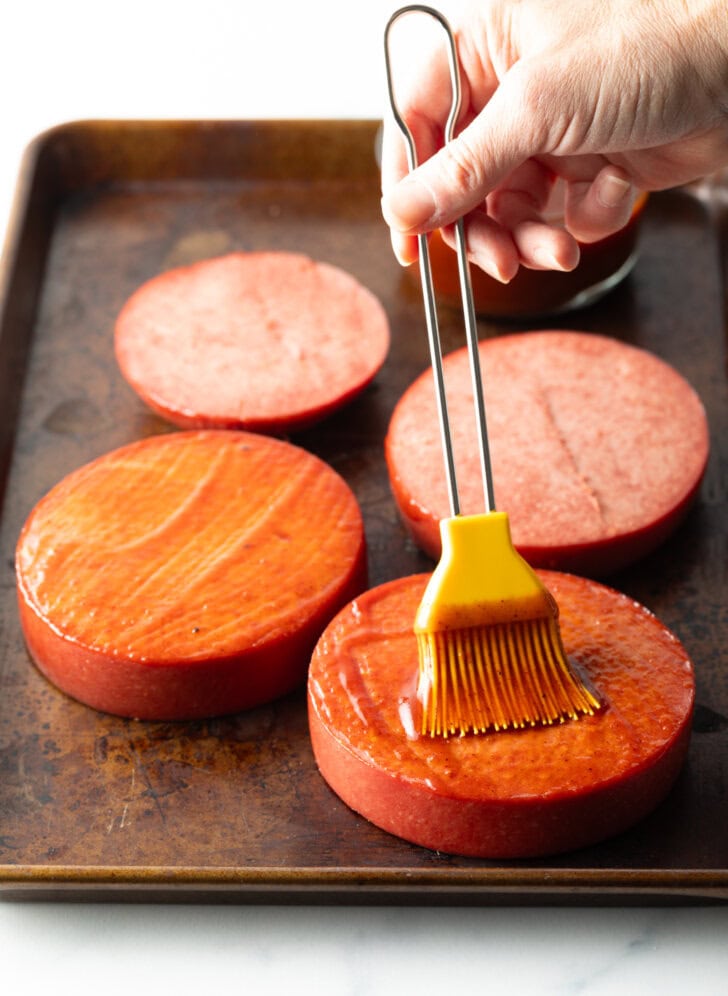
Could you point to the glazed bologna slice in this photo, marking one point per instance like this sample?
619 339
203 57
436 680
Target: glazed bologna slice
598 448
515 794
265 341
188 574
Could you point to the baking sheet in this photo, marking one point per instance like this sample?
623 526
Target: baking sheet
233 809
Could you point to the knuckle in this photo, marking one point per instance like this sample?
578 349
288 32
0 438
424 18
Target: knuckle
537 107
464 167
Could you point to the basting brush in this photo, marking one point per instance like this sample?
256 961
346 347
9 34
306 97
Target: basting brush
490 652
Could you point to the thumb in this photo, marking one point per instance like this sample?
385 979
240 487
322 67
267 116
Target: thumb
458 177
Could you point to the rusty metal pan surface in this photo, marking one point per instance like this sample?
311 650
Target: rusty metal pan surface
233 809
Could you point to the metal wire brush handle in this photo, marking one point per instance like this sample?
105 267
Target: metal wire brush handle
466 292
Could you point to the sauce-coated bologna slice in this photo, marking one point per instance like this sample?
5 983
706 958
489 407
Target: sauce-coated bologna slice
598 448
519 794
264 341
188 574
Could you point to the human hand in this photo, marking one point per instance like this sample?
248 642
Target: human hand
609 98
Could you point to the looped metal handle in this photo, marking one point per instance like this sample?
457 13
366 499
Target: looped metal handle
428 293
417 8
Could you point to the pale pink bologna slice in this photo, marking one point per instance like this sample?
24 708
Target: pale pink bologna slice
265 341
598 448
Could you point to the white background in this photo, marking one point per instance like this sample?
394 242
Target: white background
74 59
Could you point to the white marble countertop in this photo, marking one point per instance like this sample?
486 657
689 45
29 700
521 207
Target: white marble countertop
280 59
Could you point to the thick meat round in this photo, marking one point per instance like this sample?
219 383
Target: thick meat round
511 794
598 448
188 574
266 341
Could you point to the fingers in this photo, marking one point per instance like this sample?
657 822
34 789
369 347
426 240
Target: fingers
598 207
517 226
524 206
411 206
488 165
489 246
453 180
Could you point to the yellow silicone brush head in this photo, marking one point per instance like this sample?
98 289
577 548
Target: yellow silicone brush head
490 651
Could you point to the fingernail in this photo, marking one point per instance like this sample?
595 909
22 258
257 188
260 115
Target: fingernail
408 205
612 191
404 248
402 258
544 257
498 273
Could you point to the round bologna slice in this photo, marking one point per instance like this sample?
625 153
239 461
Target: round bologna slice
598 448
189 574
515 794
266 341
